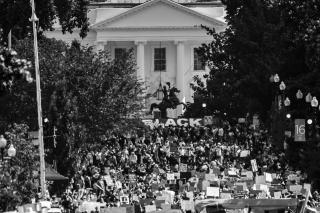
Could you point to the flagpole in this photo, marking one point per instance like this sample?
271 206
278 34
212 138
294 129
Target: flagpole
34 19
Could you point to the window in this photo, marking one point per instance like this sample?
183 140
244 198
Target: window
198 62
159 59
119 53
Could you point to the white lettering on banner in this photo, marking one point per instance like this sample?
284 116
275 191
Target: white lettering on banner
174 122
195 122
170 122
182 122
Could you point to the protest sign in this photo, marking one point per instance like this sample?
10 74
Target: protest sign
187 205
295 188
204 184
254 165
277 195
170 176
150 208
268 177
124 199
210 177
260 179
244 153
165 206
177 175
224 195
213 191
173 122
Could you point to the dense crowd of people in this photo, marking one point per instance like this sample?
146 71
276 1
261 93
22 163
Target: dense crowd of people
137 166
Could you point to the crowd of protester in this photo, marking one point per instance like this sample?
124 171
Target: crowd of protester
137 165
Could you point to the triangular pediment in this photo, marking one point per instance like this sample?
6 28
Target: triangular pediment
158 13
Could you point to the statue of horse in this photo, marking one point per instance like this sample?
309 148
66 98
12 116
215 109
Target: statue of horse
169 101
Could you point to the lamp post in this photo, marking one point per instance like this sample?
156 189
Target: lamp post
11 150
34 19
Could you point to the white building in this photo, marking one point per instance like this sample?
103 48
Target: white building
163 34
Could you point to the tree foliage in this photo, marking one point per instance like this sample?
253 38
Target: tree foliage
14 15
17 184
11 69
262 38
84 94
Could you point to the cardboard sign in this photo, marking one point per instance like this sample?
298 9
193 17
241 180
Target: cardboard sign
254 165
213 192
170 176
299 130
204 184
241 120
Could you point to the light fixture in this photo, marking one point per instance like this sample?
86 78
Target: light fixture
3 142
11 151
308 97
282 86
309 121
314 102
271 79
204 105
287 102
299 94
288 115
46 120
276 78
160 92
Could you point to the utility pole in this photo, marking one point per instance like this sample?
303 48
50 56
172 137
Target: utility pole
34 19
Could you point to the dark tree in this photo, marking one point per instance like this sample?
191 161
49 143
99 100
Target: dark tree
14 15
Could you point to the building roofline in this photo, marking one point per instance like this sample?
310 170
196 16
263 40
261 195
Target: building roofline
94 5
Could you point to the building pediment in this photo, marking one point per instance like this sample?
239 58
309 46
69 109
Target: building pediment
158 14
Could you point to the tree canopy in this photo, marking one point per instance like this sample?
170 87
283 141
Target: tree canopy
262 38
84 94
14 15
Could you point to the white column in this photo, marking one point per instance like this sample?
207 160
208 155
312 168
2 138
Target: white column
100 45
140 60
180 73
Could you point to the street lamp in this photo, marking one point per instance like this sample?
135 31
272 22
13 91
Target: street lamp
308 98
309 121
299 94
282 86
314 102
12 151
204 105
287 102
3 143
276 78
160 94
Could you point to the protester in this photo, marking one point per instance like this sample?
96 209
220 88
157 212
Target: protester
137 170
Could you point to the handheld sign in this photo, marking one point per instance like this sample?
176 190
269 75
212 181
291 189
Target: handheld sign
299 130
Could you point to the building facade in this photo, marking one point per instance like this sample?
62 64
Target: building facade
163 34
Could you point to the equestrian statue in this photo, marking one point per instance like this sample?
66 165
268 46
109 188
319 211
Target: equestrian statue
169 101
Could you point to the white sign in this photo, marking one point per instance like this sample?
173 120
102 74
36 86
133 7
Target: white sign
213 191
